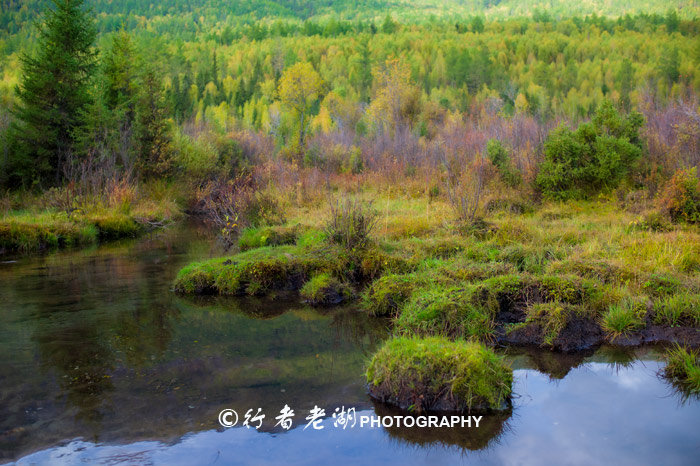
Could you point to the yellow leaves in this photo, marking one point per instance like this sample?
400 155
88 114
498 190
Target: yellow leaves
300 86
521 104
396 98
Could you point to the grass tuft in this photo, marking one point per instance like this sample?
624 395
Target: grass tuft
683 369
678 310
624 317
435 373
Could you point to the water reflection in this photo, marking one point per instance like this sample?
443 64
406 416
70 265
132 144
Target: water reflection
94 346
491 427
598 414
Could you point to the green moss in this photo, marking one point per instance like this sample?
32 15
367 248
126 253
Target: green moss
625 316
435 373
553 317
252 238
259 271
115 226
386 295
323 290
522 290
32 234
445 311
680 309
683 369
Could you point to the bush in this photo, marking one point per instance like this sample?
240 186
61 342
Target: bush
350 224
681 198
595 157
661 285
439 375
653 221
498 155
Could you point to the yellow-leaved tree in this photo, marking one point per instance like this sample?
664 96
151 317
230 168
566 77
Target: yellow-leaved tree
396 100
299 88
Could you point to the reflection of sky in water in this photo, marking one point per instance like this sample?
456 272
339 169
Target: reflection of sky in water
598 414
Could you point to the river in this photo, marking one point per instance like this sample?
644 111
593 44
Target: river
101 363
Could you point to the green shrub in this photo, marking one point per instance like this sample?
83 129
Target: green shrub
653 221
661 285
595 157
499 157
350 224
438 374
681 198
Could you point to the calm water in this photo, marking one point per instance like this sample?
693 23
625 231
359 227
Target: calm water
101 363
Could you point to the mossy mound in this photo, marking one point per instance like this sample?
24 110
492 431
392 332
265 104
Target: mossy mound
385 296
325 290
560 326
437 374
116 226
510 295
25 237
251 273
445 310
252 238
259 271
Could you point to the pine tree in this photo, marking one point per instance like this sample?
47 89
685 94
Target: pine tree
54 94
152 130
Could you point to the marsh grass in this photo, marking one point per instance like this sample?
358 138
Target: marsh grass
624 317
65 217
436 373
683 369
680 309
565 260
350 223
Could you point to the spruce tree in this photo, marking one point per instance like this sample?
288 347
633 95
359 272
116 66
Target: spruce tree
53 94
151 128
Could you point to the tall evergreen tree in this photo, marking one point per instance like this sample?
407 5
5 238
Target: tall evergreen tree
54 93
152 127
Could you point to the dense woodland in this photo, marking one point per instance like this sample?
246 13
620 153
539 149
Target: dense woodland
180 90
